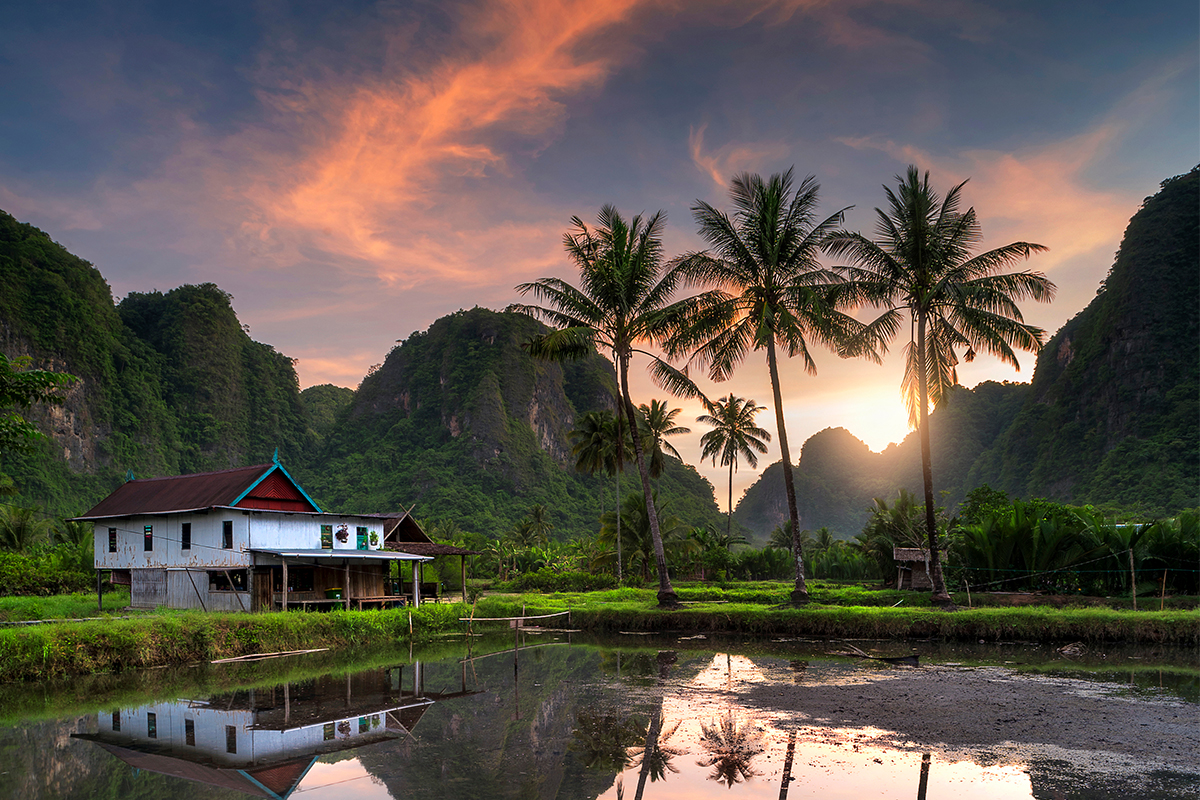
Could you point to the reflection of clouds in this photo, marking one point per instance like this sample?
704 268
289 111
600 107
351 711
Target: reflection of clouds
341 780
731 742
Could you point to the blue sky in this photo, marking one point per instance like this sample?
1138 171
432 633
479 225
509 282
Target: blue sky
351 172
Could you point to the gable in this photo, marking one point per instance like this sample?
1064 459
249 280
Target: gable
276 492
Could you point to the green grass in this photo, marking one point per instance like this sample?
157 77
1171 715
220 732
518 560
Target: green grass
174 638
62 606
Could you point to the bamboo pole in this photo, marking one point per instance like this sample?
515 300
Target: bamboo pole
1132 580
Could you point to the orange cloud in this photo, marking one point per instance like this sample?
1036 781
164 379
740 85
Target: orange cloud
378 182
731 158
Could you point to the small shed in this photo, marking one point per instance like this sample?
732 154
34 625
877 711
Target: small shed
912 568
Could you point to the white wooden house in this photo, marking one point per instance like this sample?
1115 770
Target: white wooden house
251 539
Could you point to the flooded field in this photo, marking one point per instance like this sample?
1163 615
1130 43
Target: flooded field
536 716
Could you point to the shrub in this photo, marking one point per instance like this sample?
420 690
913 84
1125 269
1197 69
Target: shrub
545 580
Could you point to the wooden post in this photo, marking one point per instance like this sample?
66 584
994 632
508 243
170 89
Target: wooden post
1163 599
285 582
1132 580
346 590
192 580
923 784
462 562
238 594
287 704
100 591
416 583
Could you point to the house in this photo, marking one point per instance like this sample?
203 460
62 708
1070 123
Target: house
263 742
912 567
251 539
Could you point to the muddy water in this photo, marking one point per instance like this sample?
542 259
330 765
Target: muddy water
635 717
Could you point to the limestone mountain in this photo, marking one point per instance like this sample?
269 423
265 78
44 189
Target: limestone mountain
460 420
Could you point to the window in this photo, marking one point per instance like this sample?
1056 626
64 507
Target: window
117 720
218 580
300 579
326 537
328 732
364 724
189 732
148 545
112 540
227 534
360 538
185 536
230 739
152 725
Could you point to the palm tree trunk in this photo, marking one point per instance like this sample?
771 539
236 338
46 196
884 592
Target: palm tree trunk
940 595
618 511
666 594
799 594
729 526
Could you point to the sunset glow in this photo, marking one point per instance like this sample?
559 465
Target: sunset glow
350 174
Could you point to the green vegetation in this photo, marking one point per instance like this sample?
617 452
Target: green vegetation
182 638
60 606
167 639
769 292
619 308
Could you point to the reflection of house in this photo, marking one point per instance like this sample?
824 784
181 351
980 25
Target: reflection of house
912 567
263 742
249 539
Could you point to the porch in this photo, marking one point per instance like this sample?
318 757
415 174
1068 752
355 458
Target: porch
315 580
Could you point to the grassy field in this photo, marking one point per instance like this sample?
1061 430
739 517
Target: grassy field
168 638
63 606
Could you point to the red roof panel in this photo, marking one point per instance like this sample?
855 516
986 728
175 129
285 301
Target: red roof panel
179 493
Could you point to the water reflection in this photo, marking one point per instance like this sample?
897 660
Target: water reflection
550 720
263 742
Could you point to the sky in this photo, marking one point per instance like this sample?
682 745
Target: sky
350 172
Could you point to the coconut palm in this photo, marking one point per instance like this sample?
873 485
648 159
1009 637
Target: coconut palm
21 527
624 290
770 294
733 436
655 424
540 524
597 445
920 264
731 746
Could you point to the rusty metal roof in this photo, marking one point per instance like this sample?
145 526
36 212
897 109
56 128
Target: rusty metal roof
430 549
179 493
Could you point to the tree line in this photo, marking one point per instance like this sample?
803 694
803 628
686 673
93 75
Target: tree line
761 287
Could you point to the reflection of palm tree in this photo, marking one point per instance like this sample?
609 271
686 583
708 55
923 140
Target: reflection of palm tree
731 749
603 741
655 759
787 766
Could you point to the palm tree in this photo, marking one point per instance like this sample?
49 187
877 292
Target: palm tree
21 527
734 435
625 290
771 293
921 264
596 446
655 424
540 524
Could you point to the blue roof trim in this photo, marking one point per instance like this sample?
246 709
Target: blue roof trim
245 774
265 475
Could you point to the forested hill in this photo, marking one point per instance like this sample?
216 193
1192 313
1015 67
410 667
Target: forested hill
168 384
462 422
458 420
1111 416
